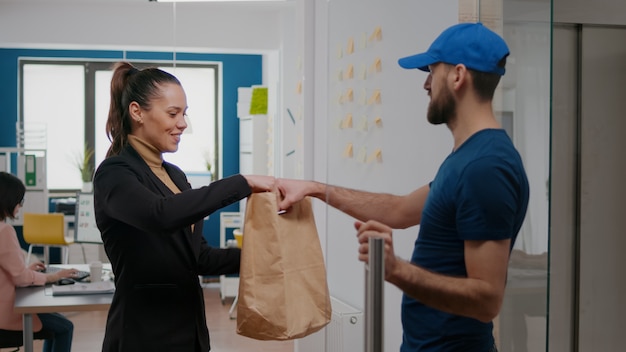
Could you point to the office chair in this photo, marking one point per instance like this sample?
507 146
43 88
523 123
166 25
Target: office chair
15 339
46 230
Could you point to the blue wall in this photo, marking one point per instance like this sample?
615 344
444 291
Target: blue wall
237 71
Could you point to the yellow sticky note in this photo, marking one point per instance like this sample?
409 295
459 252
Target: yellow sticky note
378 121
363 72
348 151
300 140
338 123
349 95
350 46
349 72
347 121
377 34
377 65
299 88
375 98
377 156
362 155
363 97
258 102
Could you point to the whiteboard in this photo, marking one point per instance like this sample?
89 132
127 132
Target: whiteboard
85 229
378 136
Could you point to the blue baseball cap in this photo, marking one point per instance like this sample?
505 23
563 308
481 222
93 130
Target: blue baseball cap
471 44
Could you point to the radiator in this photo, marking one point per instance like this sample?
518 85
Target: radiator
344 333
346 330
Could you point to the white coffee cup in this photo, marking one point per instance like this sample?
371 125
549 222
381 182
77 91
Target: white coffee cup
95 271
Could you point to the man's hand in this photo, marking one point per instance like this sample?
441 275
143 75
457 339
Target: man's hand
376 229
259 183
292 191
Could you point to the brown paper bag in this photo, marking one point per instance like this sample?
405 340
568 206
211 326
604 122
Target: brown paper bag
283 292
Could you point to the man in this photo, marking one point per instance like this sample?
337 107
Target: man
469 215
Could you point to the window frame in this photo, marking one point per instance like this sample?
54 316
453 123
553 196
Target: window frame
91 66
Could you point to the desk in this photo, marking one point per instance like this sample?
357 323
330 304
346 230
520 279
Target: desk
32 300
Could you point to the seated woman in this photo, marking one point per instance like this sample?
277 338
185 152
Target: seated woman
14 273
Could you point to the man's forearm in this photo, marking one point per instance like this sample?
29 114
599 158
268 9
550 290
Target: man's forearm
362 205
468 297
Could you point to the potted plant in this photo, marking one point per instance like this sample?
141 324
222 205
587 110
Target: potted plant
85 166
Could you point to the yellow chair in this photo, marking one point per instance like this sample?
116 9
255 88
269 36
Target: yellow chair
46 230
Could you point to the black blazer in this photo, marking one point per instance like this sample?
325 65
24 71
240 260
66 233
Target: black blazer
158 304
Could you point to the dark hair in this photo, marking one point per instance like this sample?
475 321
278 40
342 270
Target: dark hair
12 192
127 85
485 83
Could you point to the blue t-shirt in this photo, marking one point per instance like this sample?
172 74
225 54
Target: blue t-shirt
479 193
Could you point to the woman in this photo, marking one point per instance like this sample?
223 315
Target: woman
14 273
151 220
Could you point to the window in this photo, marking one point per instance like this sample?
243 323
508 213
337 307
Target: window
65 107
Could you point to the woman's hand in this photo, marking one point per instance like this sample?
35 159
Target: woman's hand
37 266
61 274
259 183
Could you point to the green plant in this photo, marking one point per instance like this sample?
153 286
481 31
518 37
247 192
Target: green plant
208 164
83 162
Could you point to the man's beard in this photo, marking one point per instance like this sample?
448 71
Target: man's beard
442 110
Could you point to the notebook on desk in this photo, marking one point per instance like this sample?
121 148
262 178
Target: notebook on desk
81 288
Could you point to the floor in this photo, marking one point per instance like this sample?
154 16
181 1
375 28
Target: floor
89 329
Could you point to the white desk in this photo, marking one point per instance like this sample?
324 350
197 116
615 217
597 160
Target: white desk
32 300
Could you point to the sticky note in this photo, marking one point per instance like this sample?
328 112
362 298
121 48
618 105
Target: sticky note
378 121
338 123
363 97
363 43
377 156
363 72
377 34
375 98
377 65
362 155
350 46
349 72
348 151
347 121
299 88
258 102
339 52
349 95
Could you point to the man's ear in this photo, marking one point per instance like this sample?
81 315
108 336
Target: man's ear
461 76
